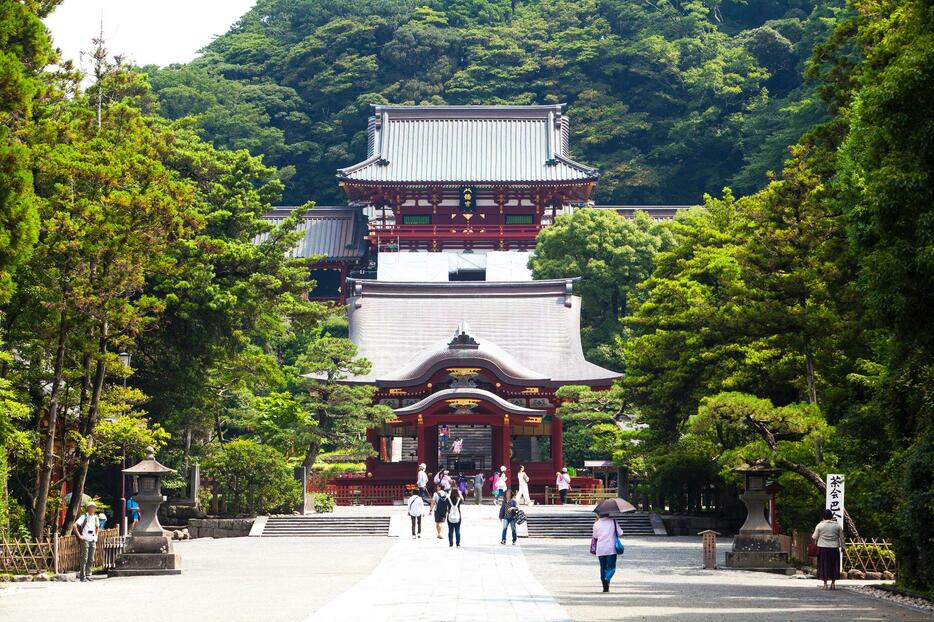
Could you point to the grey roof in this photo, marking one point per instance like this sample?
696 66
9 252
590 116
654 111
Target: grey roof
339 233
468 144
464 392
658 212
529 329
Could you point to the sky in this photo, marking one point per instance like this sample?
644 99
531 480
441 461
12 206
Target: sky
158 32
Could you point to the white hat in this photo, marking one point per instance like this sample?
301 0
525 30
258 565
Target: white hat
502 468
422 466
564 470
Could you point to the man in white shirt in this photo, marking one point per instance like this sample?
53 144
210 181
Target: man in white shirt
86 530
422 481
563 482
416 509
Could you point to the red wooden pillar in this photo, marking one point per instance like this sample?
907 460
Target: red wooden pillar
557 444
507 446
420 427
372 437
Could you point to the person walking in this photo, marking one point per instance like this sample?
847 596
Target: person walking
507 514
462 484
454 517
86 530
422 481
440 507
478 487
132 507
828 535
493 480
502 484
563 482
523 497
416 509
605 532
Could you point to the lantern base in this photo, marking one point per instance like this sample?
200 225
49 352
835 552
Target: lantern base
147 555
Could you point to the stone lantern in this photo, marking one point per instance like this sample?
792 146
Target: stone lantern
756 547
148 550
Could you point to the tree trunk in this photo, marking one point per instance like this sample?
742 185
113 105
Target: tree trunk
87 430
311 455
44 478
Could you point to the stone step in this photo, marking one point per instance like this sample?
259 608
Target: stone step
320 526
581 525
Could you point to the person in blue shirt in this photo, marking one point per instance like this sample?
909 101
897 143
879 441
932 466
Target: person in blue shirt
132 508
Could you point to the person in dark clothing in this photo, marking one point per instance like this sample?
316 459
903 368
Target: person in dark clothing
507 514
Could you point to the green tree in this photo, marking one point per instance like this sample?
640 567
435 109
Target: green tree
611 255
251 478
341 412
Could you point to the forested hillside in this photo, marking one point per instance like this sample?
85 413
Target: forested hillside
669 99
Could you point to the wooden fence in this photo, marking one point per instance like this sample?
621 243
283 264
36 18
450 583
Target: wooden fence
60 554
366 494
596 495
869 555
865 555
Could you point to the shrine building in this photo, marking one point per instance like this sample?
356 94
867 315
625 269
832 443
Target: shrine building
466 348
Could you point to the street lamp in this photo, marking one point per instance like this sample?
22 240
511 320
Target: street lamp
125 361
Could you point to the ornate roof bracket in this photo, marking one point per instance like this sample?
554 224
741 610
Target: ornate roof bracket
462 338
568 292
357 295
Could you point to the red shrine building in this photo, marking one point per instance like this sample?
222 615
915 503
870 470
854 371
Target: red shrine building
466 348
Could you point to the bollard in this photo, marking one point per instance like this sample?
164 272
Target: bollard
710 549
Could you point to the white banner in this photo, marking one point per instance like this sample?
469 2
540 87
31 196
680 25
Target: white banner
835 491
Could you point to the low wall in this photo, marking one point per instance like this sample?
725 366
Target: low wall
691 525
219 527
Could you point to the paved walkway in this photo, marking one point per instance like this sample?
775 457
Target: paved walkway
383 579
425 579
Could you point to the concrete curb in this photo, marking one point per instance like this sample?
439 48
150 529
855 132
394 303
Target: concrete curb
259 524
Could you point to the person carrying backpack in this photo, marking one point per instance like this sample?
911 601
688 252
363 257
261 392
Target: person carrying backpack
454 517
86 528
416 507
439 506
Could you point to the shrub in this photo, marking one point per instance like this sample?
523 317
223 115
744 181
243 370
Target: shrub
323 502
252 478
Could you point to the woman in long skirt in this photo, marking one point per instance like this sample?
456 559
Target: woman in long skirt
828 535
605 532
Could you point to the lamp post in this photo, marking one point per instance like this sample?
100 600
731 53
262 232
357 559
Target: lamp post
125 361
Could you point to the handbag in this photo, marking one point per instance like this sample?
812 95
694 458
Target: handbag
593 546
620 549
520 517
813 550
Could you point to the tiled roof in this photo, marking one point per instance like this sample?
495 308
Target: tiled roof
468 144
336 232
530 327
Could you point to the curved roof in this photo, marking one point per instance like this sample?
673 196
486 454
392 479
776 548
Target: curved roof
467 393
530 329
468 144
486 354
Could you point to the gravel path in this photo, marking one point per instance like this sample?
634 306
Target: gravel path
661 579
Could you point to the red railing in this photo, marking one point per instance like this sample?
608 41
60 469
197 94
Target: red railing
366 494
479 230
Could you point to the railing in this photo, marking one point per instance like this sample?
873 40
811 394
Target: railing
366 494
478 230
60 554
552 495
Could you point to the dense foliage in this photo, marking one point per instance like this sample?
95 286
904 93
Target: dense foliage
792 326
668 99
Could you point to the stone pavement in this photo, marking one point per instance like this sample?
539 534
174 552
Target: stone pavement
224 580
378 578
425 579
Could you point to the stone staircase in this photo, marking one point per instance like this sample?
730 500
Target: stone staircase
318 526
580 525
